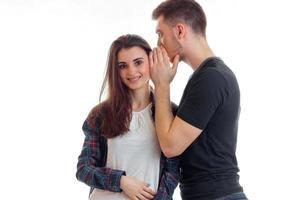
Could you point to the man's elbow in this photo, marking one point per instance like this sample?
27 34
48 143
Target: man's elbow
170 152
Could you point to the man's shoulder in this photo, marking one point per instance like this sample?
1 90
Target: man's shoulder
214 71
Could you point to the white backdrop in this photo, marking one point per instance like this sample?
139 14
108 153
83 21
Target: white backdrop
52 58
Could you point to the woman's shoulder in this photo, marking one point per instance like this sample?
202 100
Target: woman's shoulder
95 116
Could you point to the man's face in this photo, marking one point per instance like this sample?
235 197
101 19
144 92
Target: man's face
167 38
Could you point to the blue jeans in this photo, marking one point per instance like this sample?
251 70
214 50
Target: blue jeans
235 196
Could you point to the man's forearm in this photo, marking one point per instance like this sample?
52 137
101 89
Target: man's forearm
163 116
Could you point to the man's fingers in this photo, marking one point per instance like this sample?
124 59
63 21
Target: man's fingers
160 55
165 55
151 59
155 56
175 64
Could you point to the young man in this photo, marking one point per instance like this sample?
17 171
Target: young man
204 131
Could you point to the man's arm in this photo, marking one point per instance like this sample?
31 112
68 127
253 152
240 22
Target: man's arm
174 134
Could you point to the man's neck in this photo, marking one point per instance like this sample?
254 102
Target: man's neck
197 52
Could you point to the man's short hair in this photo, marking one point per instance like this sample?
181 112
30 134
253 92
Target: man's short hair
185 11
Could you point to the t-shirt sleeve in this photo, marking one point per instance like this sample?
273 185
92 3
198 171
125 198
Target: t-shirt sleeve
204 94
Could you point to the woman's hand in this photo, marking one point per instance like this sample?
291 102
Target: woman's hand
136 189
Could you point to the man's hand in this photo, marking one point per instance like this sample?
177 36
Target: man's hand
160 70
136 189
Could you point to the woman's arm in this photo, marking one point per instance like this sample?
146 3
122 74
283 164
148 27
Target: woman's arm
170 173
92 171
91 163
169 178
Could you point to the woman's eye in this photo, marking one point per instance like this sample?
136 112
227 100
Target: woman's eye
122 66
139 62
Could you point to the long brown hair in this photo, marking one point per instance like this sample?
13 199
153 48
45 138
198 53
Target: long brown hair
113 115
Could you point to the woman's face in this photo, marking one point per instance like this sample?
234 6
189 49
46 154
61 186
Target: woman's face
133 65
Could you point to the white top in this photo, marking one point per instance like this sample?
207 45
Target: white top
137 153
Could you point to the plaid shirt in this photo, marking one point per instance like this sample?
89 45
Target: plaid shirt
92 171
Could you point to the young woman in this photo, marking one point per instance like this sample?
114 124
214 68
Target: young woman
121 158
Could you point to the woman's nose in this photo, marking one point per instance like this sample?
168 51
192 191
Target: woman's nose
131 69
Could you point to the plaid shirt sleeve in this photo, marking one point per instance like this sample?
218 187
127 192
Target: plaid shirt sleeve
91 163
169 178
169 168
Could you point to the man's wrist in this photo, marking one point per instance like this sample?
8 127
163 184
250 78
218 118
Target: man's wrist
162 87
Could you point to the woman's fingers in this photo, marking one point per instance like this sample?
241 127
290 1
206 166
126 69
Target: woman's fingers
149 190
147 194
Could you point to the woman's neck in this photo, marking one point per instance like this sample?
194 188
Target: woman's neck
140 99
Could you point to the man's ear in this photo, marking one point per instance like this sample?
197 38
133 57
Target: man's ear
180 30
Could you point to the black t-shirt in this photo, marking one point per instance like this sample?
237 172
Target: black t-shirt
210 102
